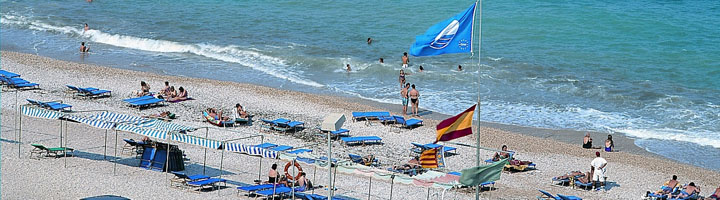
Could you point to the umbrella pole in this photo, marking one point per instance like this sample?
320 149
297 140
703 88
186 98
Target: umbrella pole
66 138
222 157
167 159
20 136
314 176
262 139
105 146
116 158
392 182
370 188
15 125
205 158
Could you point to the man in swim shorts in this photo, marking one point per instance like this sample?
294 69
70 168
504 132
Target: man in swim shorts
405 60
404 97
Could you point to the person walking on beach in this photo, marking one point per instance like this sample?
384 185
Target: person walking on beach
414 95
404 97
405 60
83 48
598 165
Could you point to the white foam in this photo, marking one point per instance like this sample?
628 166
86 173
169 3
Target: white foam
235 54
672 134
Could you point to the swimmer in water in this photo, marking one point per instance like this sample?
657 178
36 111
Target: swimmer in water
84 48
348 68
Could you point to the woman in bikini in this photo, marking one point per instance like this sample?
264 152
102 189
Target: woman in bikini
402 78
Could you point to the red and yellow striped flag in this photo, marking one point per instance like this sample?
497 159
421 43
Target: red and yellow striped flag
428 158
458 126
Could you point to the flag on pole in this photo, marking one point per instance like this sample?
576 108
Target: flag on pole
428 158
475 175
458 126
453 35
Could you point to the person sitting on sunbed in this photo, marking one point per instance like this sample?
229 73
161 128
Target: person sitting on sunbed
368 160
240 112
215 114
714 196
501 155
302 181
144 89
687 191
667 188
273 174
181 95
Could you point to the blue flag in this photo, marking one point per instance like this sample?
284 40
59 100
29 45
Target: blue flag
453 35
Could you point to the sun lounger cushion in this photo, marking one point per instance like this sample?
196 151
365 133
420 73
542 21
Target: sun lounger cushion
266 145
563 197
299 151
276 191
253 188
146 102
138 98
8 74
361 139
205 182
281 148
549 195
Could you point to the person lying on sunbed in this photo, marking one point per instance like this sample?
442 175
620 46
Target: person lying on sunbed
687 191
411 164
216 114
162 115
181 95
587 178
240 112
567 176
368 160
501 155
667 188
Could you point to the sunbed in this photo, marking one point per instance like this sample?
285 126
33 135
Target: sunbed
8 74
290 126
147 157
587 185
306 196
19 83
182 179
421 147
201 184
146 103
281 148
334 134
253 188
271 124
547 195
138 98
266 145
299 151
282 191
94 92
55 151
410 123
130 145
158 162
361 140
52 105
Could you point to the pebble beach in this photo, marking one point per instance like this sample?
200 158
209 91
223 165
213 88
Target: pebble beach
89 173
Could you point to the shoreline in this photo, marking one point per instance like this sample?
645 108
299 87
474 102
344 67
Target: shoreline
545 147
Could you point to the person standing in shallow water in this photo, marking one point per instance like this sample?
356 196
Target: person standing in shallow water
459 68
348 68
405 60
83 48
369 40
414 95
404 97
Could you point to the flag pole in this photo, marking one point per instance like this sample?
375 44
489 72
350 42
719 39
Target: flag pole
477 136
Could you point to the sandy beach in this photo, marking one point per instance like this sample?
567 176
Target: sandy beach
631 172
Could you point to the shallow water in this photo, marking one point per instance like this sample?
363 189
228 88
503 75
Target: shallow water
647 69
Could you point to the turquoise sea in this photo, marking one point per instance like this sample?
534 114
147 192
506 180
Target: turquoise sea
646 69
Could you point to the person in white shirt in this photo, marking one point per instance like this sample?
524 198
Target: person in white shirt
598 165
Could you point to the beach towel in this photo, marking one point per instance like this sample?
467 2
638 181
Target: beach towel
181 100
476 175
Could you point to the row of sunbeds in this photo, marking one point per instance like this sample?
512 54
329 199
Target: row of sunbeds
386 118
13 80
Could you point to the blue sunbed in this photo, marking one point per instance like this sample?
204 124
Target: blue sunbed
421 147
584 185
253 188
407 123
8 74
299 151
266 145
19 83
547 194
361 140
147 157
94 92
158 162
359 159
50 105
138 98
206 182
147 102
306 196
369 115
281 148
278 191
